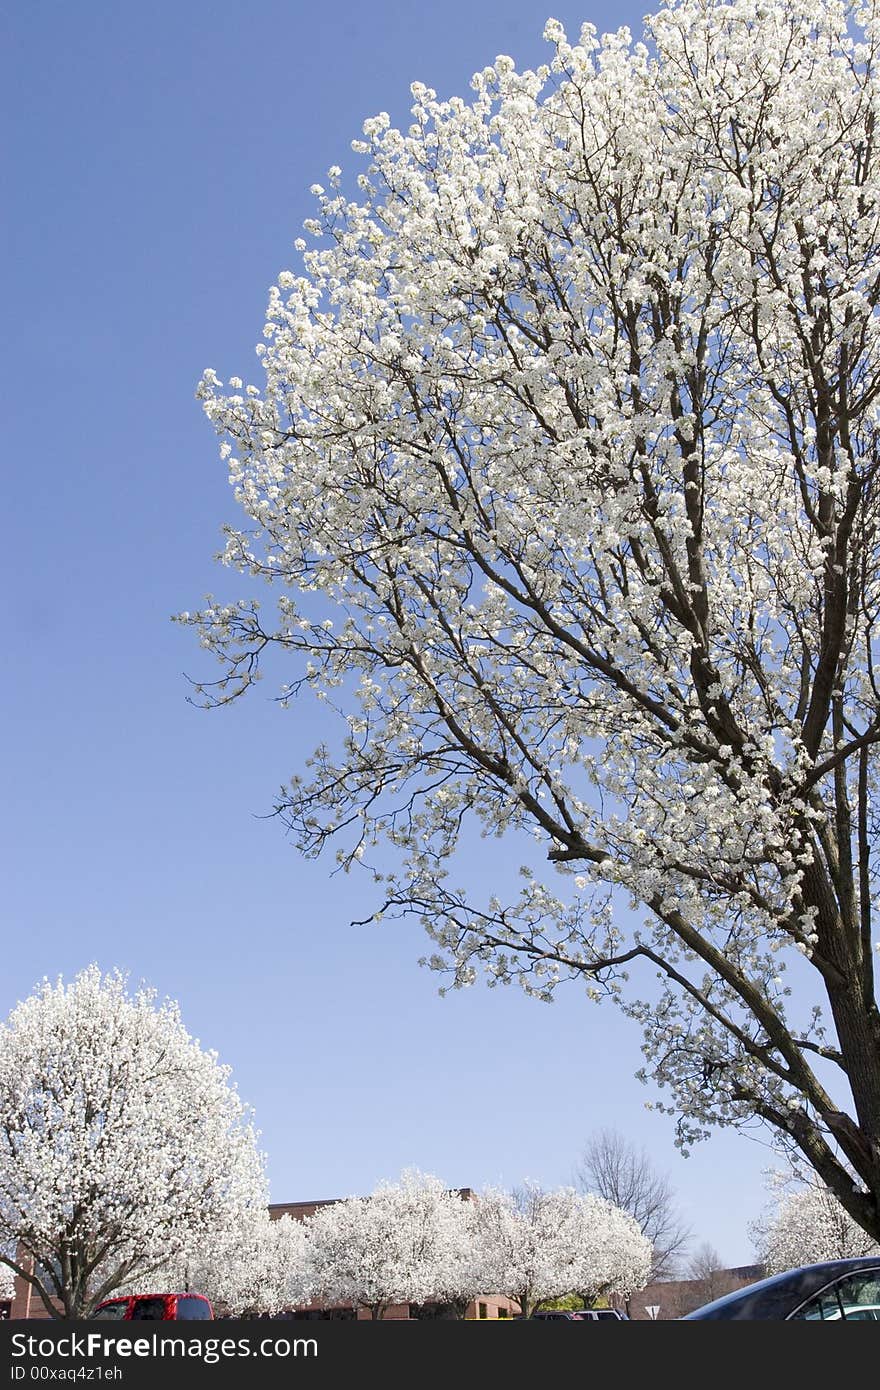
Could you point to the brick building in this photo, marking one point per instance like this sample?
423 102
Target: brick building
26 1302
672 1298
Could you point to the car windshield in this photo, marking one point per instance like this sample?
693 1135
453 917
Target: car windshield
111 1311
151 1308
853 1298
191 1308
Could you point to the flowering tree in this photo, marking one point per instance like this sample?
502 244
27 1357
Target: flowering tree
807 1226
122 1142
617 1255
540 1245
566 470
465 1270
250 1267
403 1244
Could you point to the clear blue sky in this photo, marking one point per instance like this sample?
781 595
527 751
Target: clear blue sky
157 162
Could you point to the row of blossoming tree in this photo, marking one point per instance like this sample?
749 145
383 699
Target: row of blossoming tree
418 1242
127 1160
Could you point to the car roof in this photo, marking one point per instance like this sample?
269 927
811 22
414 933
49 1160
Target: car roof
769 1294
174 1293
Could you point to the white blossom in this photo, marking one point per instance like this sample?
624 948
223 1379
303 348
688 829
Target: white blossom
571 425
541 1245
122 1141
807 1226
409 1242
250 1267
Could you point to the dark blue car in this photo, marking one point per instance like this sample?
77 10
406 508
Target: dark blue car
834 1291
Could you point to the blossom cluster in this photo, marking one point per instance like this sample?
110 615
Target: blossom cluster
564 467
416 1241
122 1141
807 1226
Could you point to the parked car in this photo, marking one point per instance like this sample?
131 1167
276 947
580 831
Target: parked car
598 1315
155 1307
576 1315
828 1292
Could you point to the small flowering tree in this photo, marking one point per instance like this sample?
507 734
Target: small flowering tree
541 1245
617 1256
464 1271
251 1267
566 467
403 1244
122 1142
467 1269
807 1226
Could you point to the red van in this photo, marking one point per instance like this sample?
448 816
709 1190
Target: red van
157 1307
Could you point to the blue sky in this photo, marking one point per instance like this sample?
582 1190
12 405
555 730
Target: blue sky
158 175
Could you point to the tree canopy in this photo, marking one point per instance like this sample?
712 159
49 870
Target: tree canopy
564 470
539 1245
122 1142
805 1226
250 1267
409 1242
415 1241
